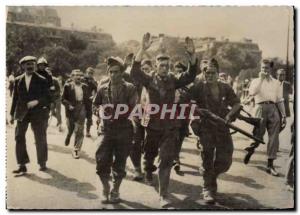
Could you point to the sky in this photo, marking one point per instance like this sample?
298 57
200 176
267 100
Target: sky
266 26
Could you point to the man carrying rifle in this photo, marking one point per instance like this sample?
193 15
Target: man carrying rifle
216 141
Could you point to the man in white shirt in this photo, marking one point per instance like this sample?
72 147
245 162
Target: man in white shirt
268 97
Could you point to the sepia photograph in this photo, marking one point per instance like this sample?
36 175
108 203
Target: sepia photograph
150 108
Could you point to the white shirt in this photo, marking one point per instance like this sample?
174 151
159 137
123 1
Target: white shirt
78 92
27 81
267 90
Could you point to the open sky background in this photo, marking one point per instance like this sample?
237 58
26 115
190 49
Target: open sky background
266 26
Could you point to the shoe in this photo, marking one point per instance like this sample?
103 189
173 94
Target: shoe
164 202
75 154
138 176
105 196
208 197
272 171
67 141
177 167
22 169
114 198
149 178
88 134
60 129
43 167
290 188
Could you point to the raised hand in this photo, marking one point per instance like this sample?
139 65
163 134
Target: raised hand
146 42
190 49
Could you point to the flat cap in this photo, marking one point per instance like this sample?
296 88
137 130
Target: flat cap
162 57
26 59
90 69
42 60
115 61
180 65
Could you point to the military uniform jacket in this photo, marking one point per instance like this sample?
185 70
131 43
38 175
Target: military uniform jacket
127 95
69 98
38 90
201 94
162 91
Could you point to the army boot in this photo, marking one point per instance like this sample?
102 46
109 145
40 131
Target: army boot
208 197
106 189
114 194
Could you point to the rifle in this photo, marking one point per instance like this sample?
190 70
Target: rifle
214 118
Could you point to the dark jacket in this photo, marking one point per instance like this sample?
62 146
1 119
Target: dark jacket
38 90
56 91
162 91
127 96
69 98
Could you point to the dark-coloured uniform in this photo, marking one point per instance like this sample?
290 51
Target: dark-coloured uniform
92 89
37 116
75 117
162 134
56 98
216 141
115 146
287 90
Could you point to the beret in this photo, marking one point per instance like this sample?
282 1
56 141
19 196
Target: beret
26 59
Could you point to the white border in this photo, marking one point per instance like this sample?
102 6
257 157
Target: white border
3 4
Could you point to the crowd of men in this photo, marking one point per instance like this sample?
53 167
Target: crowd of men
37 94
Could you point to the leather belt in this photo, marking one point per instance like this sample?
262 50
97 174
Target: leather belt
266 102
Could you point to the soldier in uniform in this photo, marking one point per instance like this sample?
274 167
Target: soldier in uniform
89 80
115 146
31 99
216 141
75 98
162 134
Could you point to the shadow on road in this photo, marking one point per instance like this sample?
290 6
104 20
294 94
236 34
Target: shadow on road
238 201
64 150
125 205
242 180
62 182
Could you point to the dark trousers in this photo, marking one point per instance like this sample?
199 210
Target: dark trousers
183 132
39 127
56 110
75 124
162 143
216 153
89 117
113 151
137 146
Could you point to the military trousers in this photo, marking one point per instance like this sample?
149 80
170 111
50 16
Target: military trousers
137 146
160 143
271 122
75 124
113 151
183 132
216 154
39 124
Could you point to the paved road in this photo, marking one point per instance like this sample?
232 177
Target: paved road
73 184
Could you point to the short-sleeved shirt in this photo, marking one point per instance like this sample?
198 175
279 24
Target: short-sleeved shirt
270 90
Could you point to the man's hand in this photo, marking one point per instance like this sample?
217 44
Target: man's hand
190 50
283 122
146 41
32 104
263 75
71 107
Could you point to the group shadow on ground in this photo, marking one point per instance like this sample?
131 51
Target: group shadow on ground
63 182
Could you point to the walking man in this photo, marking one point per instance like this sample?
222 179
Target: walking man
162 134
75 99
31 99
115 146
268 97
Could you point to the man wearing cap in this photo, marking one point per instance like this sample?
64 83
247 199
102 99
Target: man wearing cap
115 146
139 132
76 99
31 99
42 64
287 90
269 100
216 141
162 134
92 84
